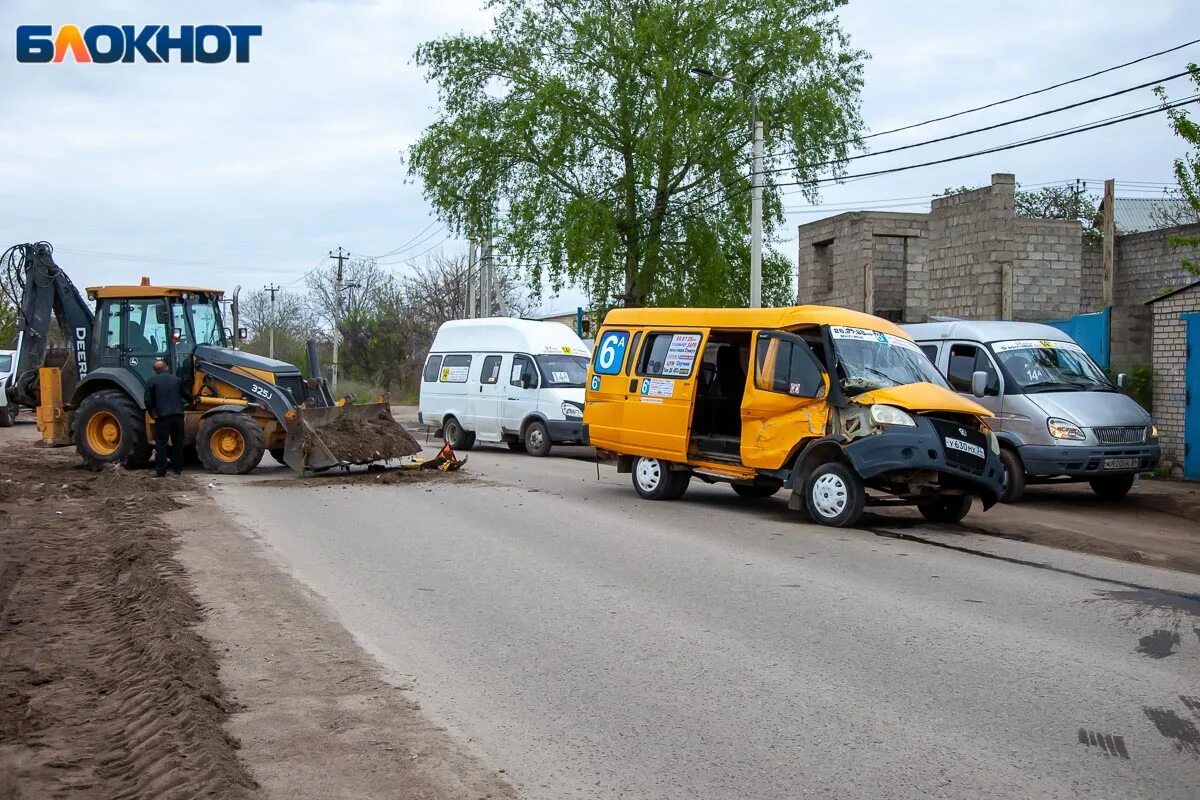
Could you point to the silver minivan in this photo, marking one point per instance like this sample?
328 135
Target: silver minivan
1058 416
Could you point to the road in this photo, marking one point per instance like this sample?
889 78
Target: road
595 645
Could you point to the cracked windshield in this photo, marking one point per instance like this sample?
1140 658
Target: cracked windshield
870 360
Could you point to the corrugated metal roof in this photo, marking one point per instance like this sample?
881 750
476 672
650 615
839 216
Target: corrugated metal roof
1136 214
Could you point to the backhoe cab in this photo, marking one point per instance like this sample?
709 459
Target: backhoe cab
91 392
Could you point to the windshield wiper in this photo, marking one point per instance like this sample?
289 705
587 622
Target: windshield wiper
1053 386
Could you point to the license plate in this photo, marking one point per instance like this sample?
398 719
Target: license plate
1121 463
964 447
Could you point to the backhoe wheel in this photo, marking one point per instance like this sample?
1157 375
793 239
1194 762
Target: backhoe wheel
230 443
537 439
458 437
948 510
111 429
834 495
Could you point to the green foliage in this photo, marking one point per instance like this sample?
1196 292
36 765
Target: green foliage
1139 384
8 323
619 170
1053 202
1187 168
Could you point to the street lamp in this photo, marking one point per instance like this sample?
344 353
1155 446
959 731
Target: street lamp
755 184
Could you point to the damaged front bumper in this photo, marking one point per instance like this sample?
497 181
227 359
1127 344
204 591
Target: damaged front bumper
962 458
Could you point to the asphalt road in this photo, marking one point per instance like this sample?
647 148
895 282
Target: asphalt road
595 645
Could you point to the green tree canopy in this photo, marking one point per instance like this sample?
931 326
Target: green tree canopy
1187 169
613 166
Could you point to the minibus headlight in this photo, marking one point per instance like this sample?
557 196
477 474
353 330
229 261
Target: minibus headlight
993 441
890 415
572 411
1061 429
1153 431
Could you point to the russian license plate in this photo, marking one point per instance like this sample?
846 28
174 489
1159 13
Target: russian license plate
964 447
1121 463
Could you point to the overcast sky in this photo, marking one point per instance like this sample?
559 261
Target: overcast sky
253 172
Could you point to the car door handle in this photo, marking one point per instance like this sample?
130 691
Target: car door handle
514 398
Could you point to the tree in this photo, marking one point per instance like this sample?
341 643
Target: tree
8 322
1187 168
618 169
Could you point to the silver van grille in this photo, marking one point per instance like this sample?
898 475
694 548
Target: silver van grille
1127 435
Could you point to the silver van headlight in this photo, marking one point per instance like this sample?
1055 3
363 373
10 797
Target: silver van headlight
1062 429
890 415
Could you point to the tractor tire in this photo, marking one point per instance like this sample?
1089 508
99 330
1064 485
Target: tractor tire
8 416
230 443
111 429
537 439
458 437
755 491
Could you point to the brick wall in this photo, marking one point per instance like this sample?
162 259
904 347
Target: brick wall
1170 354
1047 281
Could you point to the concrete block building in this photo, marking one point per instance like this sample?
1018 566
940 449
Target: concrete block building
1176 348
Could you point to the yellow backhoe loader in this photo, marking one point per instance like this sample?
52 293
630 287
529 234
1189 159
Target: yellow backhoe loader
88 390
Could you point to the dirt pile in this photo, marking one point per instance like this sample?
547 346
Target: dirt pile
357 440
106 690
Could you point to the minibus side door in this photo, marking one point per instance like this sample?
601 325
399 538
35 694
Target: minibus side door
486 399
785 400
608 385
658 412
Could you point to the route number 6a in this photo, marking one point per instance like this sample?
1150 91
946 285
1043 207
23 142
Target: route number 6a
260 391
610 354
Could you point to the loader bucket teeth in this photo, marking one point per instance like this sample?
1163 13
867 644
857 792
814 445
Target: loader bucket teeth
335 436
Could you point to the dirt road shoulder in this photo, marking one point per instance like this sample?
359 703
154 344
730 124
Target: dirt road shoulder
318 717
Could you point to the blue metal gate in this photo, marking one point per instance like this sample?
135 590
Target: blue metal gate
1090 331
1191 414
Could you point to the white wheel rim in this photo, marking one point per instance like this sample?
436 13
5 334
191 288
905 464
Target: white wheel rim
535 438
451 431
649 473
829 495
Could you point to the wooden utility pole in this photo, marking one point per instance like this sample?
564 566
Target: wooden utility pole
337 315
271 290
472 266
1110 234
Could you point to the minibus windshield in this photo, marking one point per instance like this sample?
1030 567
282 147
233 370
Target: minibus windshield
568 372
870 360
1048 366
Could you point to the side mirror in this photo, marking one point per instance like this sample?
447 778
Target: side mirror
979 380
522 383
243 334
229 334
1121 381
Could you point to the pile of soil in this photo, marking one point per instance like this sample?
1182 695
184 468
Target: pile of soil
359 441
106 689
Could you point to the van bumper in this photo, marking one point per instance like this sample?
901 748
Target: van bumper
902 449
1087 461
565 431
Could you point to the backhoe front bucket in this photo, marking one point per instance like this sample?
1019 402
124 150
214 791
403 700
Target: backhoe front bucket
334 436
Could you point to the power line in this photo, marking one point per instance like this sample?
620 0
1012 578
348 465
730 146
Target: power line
1001 148
407 244
1035 92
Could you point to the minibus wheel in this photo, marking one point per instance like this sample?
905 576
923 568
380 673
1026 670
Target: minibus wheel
1014 476
654 479
834 495
537 439
755 491
946 509
456 436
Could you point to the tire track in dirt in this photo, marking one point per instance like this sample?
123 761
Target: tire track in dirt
106 688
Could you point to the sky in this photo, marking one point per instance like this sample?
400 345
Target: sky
249 174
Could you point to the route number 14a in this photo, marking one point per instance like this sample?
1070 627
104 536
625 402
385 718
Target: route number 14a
610 354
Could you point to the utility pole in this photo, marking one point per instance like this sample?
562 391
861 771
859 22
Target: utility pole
337 315
271 290
1107 267
756 213
486 266
471 266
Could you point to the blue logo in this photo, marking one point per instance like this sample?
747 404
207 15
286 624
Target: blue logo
645 386
154 44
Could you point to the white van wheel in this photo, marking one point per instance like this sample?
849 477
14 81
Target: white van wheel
456 436
537 439
835 495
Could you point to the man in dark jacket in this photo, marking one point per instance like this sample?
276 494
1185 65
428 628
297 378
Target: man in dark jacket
164 404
